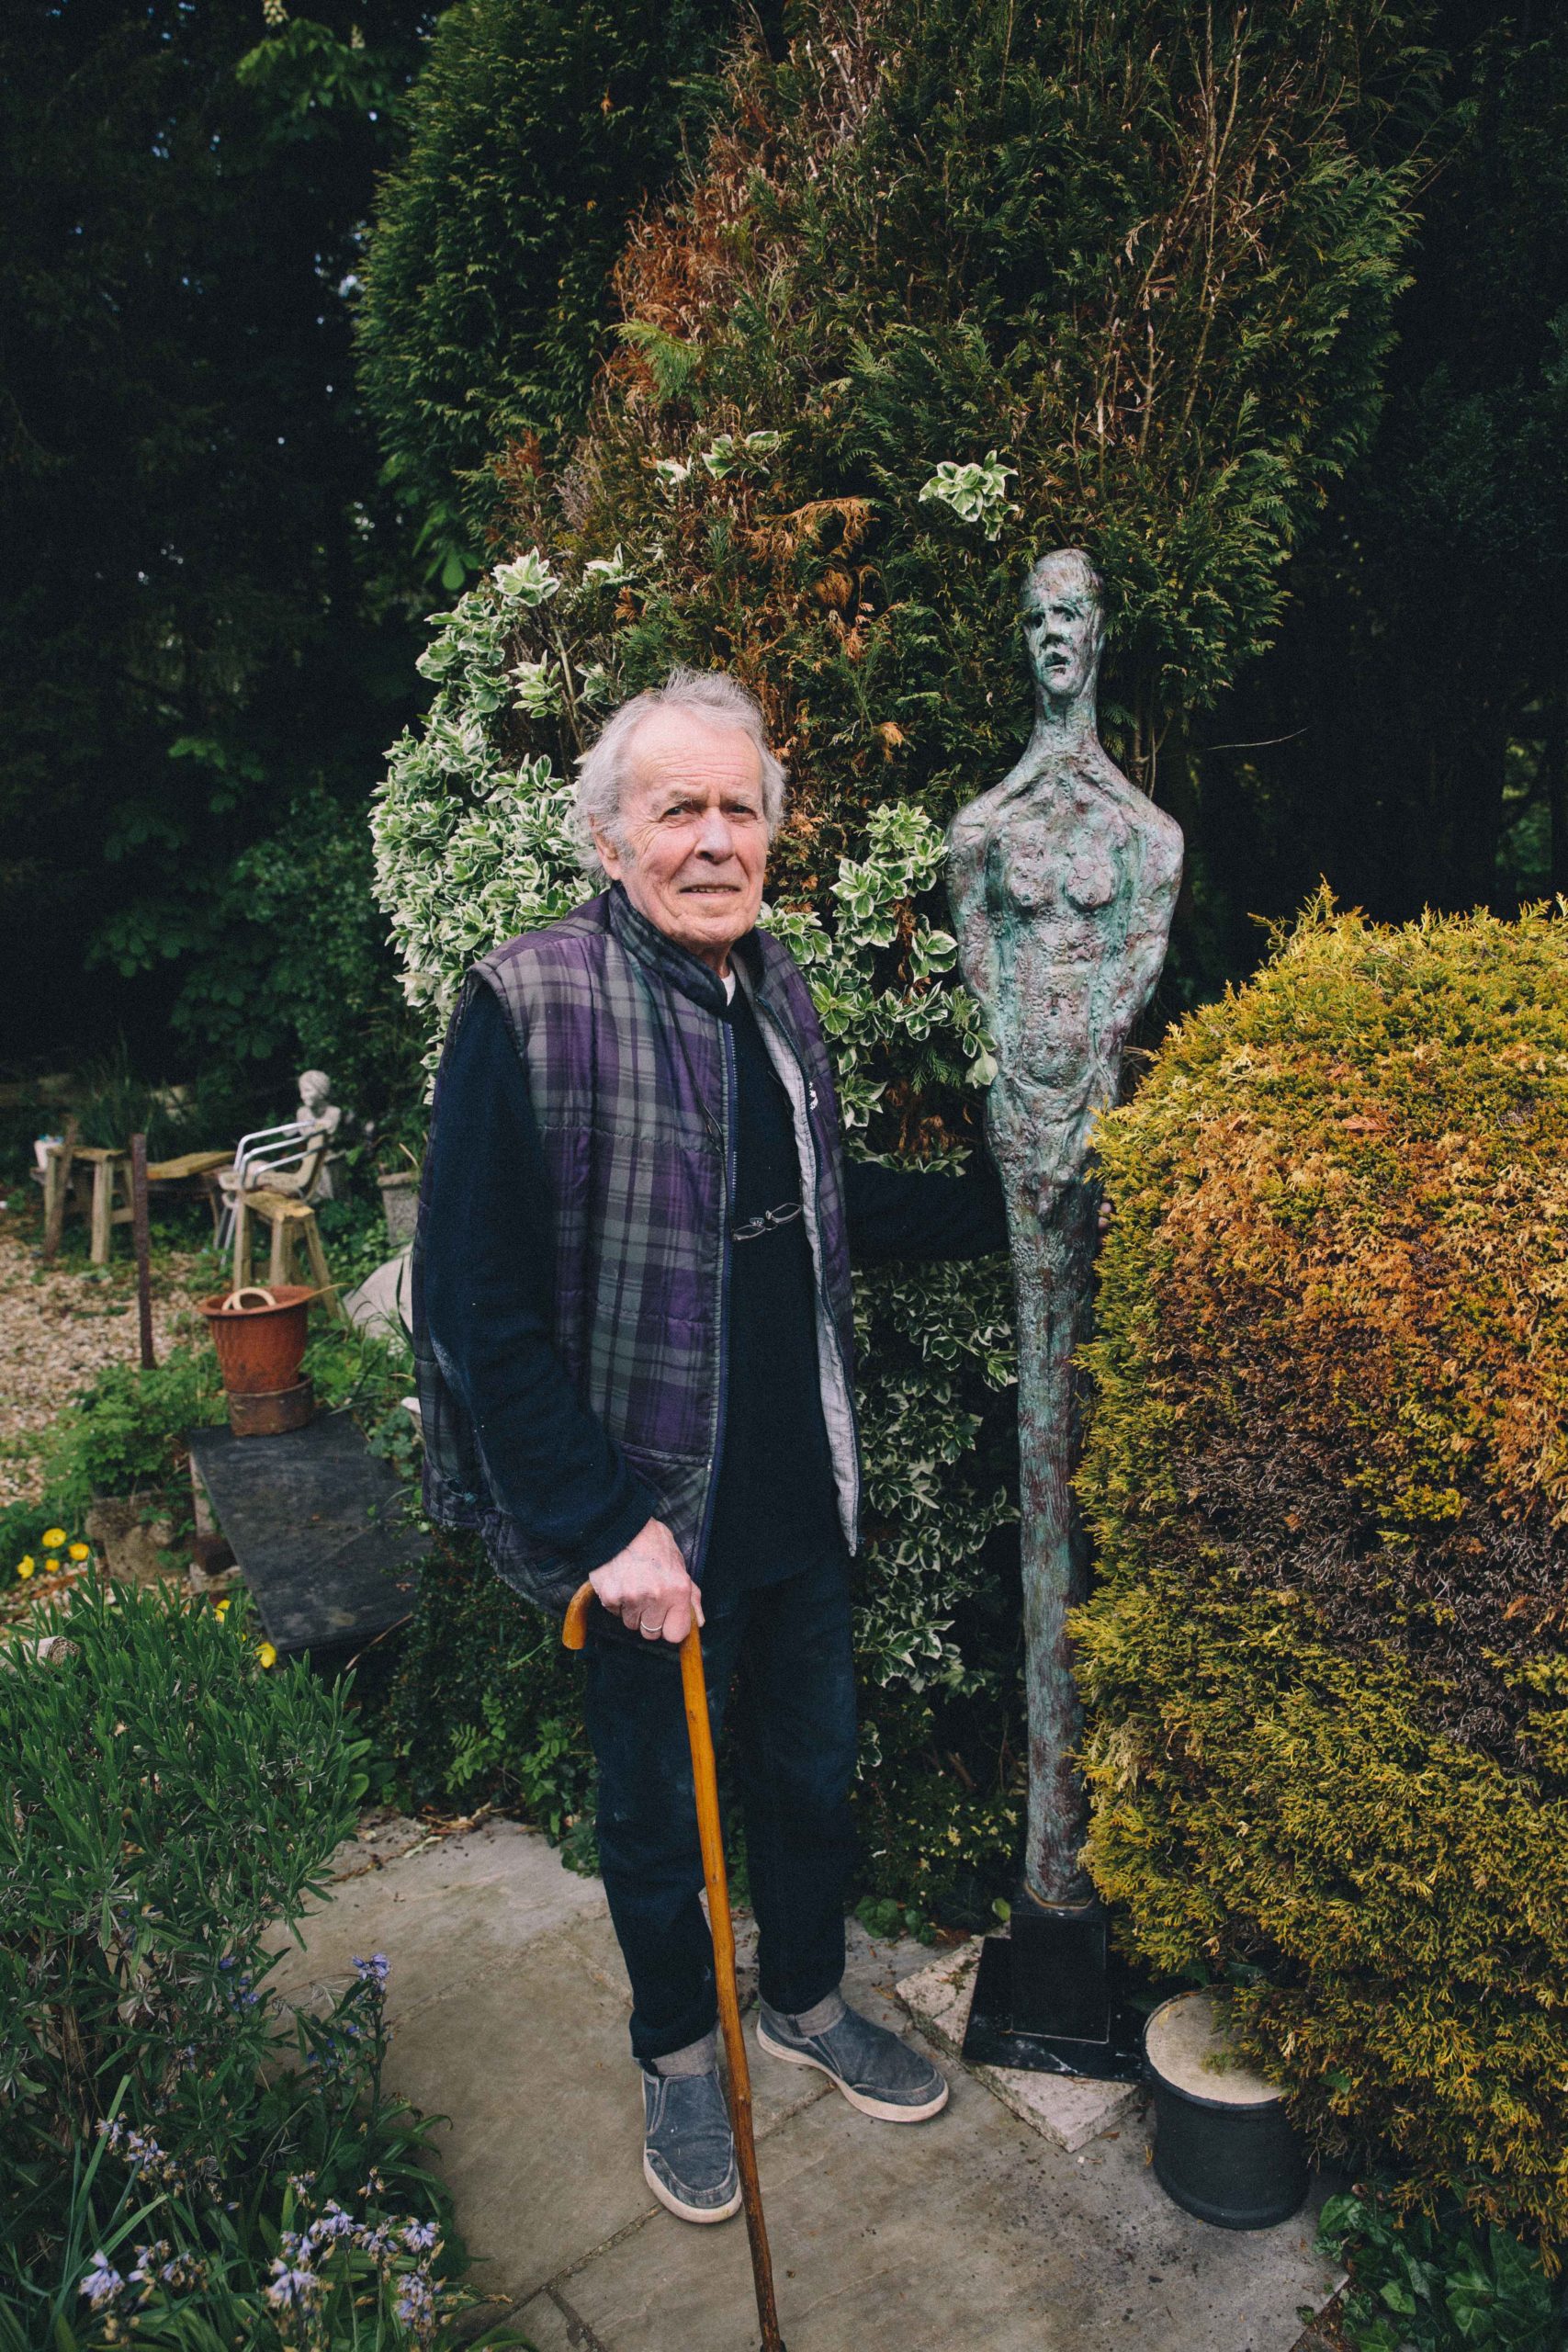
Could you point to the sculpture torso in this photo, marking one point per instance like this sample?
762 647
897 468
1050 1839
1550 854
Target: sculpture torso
1064 878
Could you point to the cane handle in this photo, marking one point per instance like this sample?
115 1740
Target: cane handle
574 1632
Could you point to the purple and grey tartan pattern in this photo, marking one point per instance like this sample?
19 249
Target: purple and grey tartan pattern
620 1033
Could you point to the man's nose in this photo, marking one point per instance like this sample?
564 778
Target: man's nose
714 838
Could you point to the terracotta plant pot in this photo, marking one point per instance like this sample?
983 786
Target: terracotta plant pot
259 1335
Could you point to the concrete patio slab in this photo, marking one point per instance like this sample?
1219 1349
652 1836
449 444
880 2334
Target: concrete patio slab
968 2233
973 2234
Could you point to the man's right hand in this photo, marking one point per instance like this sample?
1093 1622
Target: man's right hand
647 1586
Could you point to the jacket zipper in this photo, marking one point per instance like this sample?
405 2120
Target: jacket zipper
820 1256
724 1133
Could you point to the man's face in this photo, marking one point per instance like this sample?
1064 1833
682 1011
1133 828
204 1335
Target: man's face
692 838
1061 630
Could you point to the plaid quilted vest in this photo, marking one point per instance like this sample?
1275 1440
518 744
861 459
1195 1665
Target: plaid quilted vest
631 1073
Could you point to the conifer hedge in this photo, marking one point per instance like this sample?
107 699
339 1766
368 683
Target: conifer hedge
1327 1474
958 281
534 129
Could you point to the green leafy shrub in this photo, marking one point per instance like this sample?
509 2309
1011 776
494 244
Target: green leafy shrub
486 1703
1424 2285
176 2158
125 1434
1327 1476
167 1798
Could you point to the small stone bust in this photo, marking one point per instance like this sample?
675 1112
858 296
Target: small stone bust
317 1110
318 1115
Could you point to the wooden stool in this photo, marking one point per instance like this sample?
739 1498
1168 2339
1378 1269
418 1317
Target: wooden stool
291 1220
111 1172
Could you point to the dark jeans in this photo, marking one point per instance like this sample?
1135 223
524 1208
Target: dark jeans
788 1647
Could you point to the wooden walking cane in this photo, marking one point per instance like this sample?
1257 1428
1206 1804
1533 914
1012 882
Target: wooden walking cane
694 1689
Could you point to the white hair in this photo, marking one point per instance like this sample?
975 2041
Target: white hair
601 771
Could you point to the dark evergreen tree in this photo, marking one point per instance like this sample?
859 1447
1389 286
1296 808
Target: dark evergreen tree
206 631
1408 739
535 130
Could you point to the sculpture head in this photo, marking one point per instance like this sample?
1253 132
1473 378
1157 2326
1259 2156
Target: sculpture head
1063 611
315 1091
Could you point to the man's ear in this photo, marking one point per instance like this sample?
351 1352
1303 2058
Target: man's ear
609 855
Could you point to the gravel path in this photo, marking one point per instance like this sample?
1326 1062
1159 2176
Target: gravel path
60 1324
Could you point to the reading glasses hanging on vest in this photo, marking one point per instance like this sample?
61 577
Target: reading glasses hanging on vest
770 1220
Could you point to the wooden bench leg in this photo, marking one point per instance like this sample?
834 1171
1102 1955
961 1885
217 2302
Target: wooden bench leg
55 1181
126 1212
58 1164
242 1241
320 1272
103 1210
280 1268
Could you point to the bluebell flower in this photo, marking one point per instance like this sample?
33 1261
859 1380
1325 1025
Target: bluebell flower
416 2302
294 2290
377 1967
102 2284
332 2224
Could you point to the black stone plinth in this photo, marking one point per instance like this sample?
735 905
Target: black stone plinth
1050 1996
319 1529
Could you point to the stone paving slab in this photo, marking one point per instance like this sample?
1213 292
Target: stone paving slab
972 2234
967 2233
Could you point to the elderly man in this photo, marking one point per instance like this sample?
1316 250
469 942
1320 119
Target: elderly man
633 1304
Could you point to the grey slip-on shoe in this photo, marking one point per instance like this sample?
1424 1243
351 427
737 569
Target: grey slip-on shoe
877 2072
688 2156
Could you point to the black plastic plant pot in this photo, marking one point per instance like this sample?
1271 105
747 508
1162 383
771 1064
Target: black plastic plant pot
1225 2149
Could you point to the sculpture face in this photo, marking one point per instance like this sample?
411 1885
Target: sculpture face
1062 628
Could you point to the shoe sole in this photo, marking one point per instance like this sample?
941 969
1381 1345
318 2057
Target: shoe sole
882 2108
672 2204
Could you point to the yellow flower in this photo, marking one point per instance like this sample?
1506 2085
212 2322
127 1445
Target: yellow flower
267 1654
53 1537
79 1552
220 1608
25 1566
52 1562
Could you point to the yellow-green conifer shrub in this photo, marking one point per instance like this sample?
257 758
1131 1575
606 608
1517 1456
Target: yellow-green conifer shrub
1327 1474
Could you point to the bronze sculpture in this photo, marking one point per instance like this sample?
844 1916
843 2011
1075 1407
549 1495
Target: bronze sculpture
1063 880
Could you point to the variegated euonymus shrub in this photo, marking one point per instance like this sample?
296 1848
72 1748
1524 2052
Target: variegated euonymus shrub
472 846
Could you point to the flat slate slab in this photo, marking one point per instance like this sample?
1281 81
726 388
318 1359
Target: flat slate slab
979 2232
1068 2108
318 1528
